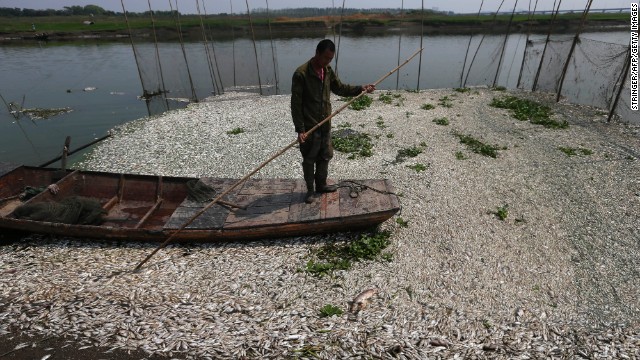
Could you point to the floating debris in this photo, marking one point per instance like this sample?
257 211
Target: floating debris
89 88
40 113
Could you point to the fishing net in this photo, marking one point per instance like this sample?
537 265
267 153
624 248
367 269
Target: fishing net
71 210
484 72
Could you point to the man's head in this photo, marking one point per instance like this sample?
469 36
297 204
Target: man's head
324 52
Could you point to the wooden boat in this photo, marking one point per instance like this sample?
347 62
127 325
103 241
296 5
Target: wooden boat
152 208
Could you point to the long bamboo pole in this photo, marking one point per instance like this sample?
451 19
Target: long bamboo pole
255 49
263 164
399 44
421 46
573 47
621 81
526 42
155 41
534 87
504 44
466 55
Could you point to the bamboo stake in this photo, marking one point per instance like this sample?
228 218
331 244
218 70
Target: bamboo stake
213 51
526 42
155 41
273 50
464 64
573 47
205 42
399 45
233 45
622 80
255 49
504 44
263 164
339 37
184 53
135 55
546 43
421 46
479 45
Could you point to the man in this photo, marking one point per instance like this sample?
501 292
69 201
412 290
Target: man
311 89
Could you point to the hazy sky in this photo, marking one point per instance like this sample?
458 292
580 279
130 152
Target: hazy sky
217 6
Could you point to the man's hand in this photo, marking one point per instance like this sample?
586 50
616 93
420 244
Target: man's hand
302 137
369 88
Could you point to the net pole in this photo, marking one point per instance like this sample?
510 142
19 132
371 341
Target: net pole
399 45
479 45
573 47
339 37
544 50
273 50
176 16
155 41
255 49
205 42
213 51
135 54
504 44
526 43
421 46
466 55
621 81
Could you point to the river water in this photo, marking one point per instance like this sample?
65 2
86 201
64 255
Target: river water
99 81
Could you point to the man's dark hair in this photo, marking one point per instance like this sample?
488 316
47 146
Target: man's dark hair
324 45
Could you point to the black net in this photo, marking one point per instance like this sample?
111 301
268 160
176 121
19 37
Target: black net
71 210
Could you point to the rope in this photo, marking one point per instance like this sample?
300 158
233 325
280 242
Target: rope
355 188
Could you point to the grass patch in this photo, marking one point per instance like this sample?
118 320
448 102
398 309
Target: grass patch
528 110
502 212
360 103
408 152
402 222
354 144
332 257
380 123
418 167
445 101
390 135
345 125
569 151
462 90
235 131
460 155
386 98
427 107
330 310
499 88
441 121
479 147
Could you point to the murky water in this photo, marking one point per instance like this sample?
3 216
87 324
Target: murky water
52 75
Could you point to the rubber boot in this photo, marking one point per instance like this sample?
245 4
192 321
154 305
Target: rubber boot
322 171
307 170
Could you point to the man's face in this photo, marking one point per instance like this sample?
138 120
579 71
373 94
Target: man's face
325 57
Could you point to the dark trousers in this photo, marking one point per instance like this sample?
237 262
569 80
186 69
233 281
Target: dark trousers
316 151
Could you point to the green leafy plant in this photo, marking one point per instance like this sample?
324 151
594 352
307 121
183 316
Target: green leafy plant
402 222
478 146
235 131
380 123
499 88
330 310
386 98
462 90
407 152
361 103
502 212
418 167
441 121
460 155
427 107
390 135
528 110
333 257
354 144
570 151
345 125
445 101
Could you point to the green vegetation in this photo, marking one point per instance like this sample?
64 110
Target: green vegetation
524 109
445 101
427 107
345 125
380 123
460 155
502 212
361 103
354 144
235 131
569 151
402 222
418 167
330 310
386 98
38 113
408 152
390 135
499 88
441 121
478 146
462 90
332 257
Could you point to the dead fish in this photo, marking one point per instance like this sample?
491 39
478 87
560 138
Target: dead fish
46 357
89 88
361 301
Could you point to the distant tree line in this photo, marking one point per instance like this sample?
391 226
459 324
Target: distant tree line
89 10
